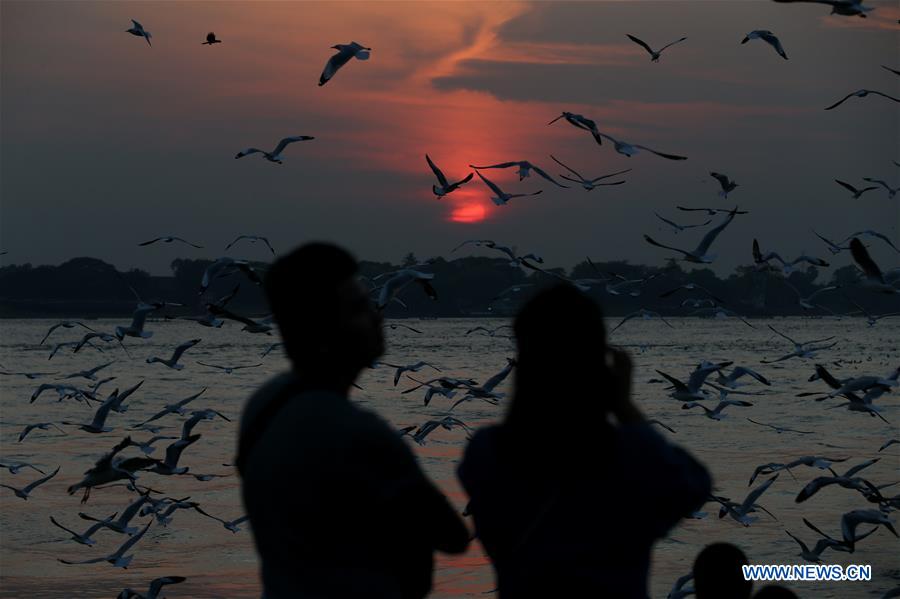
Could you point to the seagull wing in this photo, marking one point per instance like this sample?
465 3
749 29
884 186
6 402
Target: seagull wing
183 348
243 153
543 174
651 241
641 43
877 93
151 241
711 235
501 165
678 41
289 140
775 43
571 170
29 488
437 172
334 63
668 222
841 101
491 184
601 177
862 258
662 154
157 584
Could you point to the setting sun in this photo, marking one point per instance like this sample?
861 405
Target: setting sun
468 213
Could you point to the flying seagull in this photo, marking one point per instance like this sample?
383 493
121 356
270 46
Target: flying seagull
118 558
502 197
274 155
445 186
344 53
25 491
700 254
627 149
138 30
861 93
727 184
153 590
588 184
678 228
211 39
176 354
892 191
252 239
874 278
66 324
768 37
400 280
654 54
846 8
170 239
856 192
582 122
524 170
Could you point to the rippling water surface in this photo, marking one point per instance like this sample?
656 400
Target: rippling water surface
219 563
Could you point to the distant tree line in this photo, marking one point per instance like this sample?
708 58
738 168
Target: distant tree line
467 286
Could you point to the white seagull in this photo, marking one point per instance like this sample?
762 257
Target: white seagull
66 324
445 186
728 185
252 239
679 228
700 254
25 491
628 149
176 354
154 589
874 280
846 8
138 30
588 184
85 537
170 239
856 192
581 122
768 37
274 155
118 558
502 197
228 369
524 170
861 93
892 191
401 279
654 54
344 53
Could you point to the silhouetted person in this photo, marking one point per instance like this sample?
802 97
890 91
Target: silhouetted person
566 502
337 503
773 591
718 573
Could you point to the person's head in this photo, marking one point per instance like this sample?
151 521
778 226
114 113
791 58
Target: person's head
561 370
773 591
327 322
718 573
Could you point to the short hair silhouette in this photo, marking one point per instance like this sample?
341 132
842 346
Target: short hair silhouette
773 591
718 573
303 289
561 339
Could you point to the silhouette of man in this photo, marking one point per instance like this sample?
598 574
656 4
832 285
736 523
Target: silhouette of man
566 503
718 573
336 500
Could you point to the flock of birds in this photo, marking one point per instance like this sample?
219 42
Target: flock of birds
707 387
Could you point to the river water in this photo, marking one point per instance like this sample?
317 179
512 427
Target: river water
219 563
